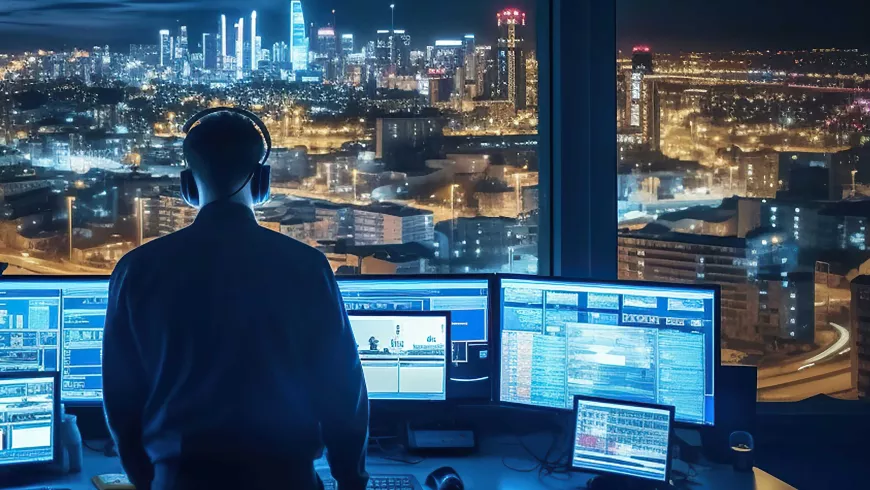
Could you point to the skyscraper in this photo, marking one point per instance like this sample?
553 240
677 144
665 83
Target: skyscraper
347 44
228 46
222 35
240 48
384 48
326 43
298 40
402 51
165 48
643 108
511 62
182 49
209 51
470 58
255 50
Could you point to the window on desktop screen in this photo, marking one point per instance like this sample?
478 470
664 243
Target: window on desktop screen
405 142
742 162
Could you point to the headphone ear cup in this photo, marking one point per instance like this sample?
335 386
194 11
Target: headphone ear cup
261 184
189 191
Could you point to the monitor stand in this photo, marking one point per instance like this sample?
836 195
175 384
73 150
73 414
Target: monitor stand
439 438
616 482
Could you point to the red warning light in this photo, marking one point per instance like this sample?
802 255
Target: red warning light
641 49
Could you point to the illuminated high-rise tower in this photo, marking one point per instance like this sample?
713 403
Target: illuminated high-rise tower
298 39
510 58
222 33
347 44
643 103
255 53
165 48
240 48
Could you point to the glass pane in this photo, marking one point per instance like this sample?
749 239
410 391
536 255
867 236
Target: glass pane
405 136
745 164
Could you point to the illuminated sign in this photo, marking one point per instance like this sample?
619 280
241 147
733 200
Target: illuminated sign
448 43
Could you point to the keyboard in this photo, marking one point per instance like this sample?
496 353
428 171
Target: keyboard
382 482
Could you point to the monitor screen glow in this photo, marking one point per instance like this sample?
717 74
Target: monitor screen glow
642 343
403 356
618 438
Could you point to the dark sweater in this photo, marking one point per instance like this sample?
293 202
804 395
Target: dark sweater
227 353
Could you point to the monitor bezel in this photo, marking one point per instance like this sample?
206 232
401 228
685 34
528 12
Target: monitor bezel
496 330
72 402
672 425
56 418
400 403
492 281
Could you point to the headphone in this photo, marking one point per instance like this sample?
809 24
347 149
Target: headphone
259 178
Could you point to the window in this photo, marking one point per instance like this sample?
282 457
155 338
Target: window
406 140
726 134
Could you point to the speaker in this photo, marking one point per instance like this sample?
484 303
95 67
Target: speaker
736 394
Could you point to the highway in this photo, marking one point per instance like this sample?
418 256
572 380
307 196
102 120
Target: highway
827 372
35 265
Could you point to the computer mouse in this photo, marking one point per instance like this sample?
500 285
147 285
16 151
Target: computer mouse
444 478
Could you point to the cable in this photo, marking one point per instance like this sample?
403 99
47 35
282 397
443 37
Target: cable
88 446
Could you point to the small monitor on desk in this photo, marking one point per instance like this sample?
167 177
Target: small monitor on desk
640 342
56 324
29 418
622 439
403 354
466 297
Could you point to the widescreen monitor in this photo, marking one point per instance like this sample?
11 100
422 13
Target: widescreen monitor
622 439
29 411
642 342
403 354
465 297
55 324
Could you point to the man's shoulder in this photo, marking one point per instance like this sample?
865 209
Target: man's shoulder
147 252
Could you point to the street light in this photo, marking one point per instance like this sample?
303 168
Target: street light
140 224
69 219
453 215
355 172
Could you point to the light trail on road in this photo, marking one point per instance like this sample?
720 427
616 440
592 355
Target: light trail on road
833 349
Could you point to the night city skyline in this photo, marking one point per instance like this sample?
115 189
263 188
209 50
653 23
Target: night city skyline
744 24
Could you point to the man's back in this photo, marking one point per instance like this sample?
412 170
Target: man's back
243 349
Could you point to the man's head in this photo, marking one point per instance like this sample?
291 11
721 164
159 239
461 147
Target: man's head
222 150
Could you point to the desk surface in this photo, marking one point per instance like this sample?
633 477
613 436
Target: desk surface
484 470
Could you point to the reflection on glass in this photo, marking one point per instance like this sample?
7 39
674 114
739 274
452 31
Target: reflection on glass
749 169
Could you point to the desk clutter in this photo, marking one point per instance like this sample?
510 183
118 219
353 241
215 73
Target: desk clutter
624 364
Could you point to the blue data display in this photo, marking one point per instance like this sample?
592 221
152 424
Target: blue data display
466 299
635 343
84 316
56 325
27 422
619 439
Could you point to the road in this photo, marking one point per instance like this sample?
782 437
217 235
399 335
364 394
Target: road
829 371
42 266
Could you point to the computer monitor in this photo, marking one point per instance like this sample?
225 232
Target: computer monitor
29 418
622 439
55 324
465 297
642 342
403 354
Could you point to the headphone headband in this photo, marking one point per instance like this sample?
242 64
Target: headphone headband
256 121
259 177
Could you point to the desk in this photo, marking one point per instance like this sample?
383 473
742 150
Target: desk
484 470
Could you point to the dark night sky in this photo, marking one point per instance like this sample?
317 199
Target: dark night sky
665 24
